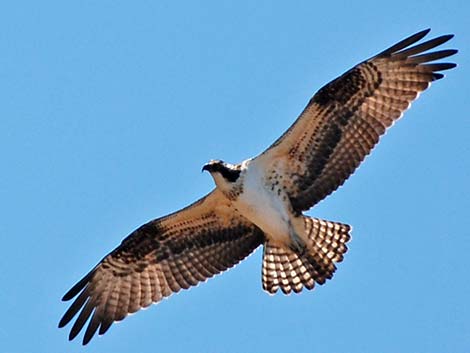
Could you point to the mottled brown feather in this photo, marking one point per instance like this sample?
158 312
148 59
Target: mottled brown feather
338 128
345 119
158 259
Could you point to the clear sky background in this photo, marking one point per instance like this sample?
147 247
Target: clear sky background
109 109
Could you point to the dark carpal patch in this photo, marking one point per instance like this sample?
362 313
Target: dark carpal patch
140 243
341 89
345 87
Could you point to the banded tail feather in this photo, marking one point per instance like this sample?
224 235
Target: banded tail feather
285 268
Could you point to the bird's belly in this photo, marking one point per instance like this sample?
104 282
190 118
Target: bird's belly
266 210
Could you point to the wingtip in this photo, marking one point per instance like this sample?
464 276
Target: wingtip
425 31
67 296
86 340
62 323
421 34
412 39
104 327
77 288
449 66
446 37
73 333
443 66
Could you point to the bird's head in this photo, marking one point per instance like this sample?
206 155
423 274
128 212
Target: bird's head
223 173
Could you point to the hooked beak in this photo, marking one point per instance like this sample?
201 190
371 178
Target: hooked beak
205 167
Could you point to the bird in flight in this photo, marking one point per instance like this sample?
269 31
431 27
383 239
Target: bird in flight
261 200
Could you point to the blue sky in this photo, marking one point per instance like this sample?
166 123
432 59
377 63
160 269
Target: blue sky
109 110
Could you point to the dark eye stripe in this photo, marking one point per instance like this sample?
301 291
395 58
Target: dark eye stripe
229 174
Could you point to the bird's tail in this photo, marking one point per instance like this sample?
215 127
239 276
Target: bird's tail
291 270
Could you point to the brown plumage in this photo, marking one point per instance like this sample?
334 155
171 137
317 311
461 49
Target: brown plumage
345 119
339 127
159 259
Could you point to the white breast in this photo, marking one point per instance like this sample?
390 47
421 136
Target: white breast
262 204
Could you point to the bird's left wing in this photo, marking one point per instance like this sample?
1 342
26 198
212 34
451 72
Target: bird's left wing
157 260
345 119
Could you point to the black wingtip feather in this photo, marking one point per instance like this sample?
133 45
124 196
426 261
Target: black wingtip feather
439 66
80 322
435 55
420 48
405 42
73 309
77 288
105 325
91 329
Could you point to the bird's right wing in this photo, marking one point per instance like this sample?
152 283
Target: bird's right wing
158 259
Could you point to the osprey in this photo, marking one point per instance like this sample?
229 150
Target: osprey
260 201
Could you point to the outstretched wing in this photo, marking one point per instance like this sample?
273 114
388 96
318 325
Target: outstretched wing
344 119
157 260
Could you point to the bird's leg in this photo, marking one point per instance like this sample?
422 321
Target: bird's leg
297 244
